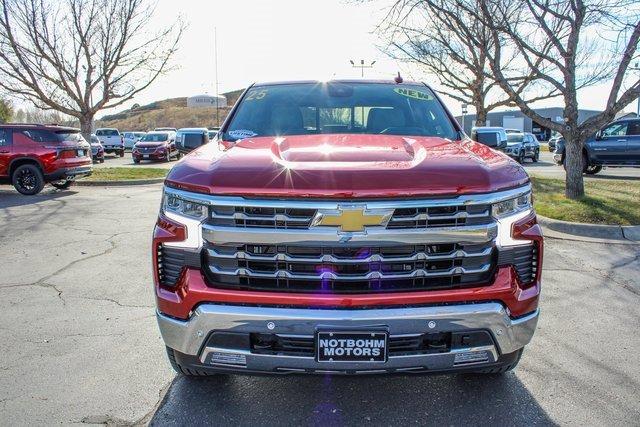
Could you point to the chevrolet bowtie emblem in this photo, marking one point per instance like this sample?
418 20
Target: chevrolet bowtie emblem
352 218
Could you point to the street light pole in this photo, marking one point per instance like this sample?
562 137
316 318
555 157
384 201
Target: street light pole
464 111
637 68
362 66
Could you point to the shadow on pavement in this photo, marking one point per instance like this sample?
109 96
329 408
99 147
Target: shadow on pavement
9 197
331 400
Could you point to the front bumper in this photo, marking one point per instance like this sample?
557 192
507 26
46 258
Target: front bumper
190 337
149 156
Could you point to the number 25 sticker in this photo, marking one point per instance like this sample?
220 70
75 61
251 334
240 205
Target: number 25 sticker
256 95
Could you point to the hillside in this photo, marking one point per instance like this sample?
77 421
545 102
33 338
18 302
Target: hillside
167 113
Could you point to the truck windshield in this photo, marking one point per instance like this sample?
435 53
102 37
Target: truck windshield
336 107
107 132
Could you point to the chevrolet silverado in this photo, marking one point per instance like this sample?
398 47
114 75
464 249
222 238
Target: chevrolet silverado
345 227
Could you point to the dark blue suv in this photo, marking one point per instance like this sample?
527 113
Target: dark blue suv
615 145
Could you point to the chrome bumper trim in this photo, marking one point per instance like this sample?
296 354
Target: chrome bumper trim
378 236
188 336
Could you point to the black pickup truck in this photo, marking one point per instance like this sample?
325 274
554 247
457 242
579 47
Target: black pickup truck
615 145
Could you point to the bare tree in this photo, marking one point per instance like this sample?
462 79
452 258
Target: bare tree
78 57
452 44
591 42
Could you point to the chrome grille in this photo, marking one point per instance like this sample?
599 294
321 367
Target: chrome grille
301 218
440 216
143 150
343 269
263 217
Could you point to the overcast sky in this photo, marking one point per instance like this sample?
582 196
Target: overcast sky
283 39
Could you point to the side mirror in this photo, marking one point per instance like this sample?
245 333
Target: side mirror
599 135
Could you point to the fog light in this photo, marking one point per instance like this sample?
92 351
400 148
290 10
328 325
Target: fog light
471 357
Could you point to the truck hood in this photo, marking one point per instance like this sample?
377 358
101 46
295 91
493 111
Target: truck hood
346 166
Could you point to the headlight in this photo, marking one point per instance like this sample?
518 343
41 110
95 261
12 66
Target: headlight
174 204
511 206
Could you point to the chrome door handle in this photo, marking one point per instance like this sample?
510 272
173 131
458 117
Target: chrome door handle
622 140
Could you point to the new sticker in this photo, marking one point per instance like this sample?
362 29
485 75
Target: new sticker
412 93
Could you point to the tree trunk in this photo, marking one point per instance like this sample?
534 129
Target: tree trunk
481 115
86 126
574 184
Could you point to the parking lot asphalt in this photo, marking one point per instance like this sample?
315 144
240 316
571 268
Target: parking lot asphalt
80 343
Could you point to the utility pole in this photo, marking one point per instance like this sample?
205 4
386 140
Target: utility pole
215 50
362 65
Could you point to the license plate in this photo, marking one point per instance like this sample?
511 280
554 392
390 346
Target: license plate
351 346
146 156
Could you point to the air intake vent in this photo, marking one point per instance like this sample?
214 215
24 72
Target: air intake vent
523 258
170 263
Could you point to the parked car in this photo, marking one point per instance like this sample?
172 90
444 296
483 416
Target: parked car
615 145
131 138
345 227
553 140
97 150
156 145
165 130
188 139
494 137
521 145
111 140
33 155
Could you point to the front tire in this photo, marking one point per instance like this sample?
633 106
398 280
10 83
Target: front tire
28 179
592 170
62 185
168 158
121 153
521 157
536 156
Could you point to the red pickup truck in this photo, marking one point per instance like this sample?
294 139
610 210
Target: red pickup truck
345 227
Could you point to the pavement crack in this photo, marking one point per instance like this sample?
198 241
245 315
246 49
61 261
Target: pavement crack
116 302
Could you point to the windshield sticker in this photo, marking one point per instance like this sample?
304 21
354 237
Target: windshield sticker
415 94
241 133
256 95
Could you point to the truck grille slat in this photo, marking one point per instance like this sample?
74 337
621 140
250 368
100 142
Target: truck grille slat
348 269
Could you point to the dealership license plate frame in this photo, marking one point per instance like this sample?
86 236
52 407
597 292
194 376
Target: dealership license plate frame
329 334
145 156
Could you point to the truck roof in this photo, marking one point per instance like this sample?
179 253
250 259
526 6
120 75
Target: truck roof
351 80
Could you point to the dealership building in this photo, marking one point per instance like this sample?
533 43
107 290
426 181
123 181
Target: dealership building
514 119
206 100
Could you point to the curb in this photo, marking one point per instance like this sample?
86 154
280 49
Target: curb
594 233
119 183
